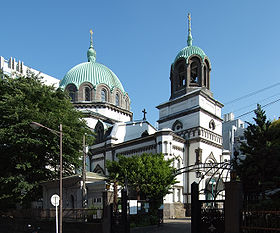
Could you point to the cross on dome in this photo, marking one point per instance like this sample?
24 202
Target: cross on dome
91 53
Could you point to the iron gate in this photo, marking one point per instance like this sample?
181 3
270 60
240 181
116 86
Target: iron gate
207 215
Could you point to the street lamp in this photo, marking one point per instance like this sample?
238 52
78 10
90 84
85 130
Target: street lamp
36 125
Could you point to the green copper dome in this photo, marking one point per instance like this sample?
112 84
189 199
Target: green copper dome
189 51
92 72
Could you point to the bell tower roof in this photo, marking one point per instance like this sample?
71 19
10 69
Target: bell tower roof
190 70
190 49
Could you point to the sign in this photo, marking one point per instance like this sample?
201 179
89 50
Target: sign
55 200
132 206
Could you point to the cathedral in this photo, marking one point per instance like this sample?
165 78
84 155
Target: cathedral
189 124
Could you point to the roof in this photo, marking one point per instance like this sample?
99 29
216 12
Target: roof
189 51
90 176
92 72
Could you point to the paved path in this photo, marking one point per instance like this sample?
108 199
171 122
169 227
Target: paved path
169 226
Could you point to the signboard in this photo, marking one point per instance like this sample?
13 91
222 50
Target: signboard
132 206
55 200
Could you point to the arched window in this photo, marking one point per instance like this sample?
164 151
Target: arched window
127 104
72 92
206 74
195 71
181 72
103 95
99 130
117 100
87 94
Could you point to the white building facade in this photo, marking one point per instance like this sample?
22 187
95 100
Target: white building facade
15 68
233 134
190 123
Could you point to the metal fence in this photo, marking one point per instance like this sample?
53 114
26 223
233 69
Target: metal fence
69 215
260 221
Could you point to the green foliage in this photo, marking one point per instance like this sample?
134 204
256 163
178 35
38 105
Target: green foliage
29 156
259 171
150 174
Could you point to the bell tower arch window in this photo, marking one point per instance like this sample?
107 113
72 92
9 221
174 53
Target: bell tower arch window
181 74
103 95
195 72
206 74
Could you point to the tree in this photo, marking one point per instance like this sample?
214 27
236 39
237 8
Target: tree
29 156
149 174
259 171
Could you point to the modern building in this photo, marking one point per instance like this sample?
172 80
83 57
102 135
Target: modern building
15 68
233 134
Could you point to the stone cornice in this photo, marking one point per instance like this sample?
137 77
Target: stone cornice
81 105
187 112
188 96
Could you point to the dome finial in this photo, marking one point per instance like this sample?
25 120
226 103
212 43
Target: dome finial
91 42
91 53
190 31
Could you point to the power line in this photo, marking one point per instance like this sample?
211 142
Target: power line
239 109
270 103
252 93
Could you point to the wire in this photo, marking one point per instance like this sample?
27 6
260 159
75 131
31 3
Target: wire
252 93
254 104
270 103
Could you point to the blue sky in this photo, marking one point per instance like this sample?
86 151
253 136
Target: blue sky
139 40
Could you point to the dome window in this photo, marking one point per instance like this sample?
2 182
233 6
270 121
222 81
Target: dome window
103 95
87 94
117 100
72 92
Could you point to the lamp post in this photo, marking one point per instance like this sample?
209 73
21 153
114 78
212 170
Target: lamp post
59 134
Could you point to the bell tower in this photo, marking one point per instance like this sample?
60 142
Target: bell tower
191 111
190 70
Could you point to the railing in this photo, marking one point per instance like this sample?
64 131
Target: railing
260 221
70 215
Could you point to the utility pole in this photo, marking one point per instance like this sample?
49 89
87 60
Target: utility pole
84 171
60 179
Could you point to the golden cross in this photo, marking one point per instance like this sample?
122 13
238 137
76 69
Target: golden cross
91 32
189 17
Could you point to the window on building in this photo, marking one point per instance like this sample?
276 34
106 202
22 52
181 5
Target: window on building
195 71
178 164
117 100
103 95
97 200
181 73
178 125
179 195
87 94
126 104
165 147
72 92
